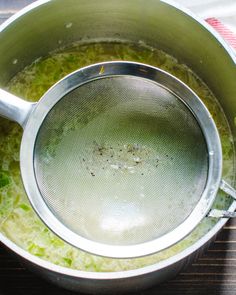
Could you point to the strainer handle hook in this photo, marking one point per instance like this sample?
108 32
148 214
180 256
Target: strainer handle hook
229 190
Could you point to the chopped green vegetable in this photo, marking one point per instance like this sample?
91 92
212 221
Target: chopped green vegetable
36 250
4 179
68 261
25 207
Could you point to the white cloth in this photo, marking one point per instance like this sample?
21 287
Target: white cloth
223 10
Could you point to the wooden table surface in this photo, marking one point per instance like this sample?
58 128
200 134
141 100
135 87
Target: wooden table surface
212 274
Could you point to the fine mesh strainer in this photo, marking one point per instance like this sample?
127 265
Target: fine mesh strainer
119 159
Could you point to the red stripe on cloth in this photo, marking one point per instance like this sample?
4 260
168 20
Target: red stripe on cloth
228 35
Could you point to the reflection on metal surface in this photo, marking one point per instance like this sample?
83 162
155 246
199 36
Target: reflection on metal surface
8 8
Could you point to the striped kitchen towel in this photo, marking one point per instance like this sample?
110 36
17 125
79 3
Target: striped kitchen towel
220 14
225 32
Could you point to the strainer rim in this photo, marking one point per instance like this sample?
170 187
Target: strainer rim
46 103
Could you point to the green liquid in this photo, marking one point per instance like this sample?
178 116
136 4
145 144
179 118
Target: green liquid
19 222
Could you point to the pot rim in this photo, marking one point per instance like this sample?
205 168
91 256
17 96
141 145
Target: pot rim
150 268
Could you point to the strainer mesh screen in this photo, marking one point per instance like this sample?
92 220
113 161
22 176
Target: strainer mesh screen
121 160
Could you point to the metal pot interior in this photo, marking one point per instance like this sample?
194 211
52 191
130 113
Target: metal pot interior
157 24
47 25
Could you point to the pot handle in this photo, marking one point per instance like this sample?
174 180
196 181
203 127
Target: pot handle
15 108
229 190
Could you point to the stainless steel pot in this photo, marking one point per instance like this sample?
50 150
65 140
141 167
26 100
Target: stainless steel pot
46 25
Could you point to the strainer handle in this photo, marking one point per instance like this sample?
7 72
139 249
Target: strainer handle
15 108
